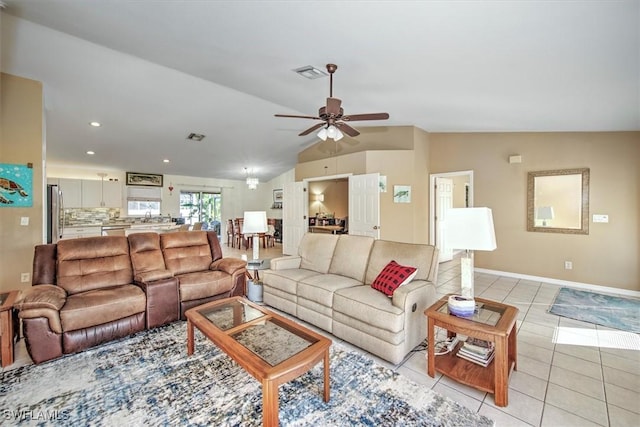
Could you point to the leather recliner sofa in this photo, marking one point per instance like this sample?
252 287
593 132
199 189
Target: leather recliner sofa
91 290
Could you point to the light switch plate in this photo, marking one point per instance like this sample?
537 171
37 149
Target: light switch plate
600 218
24 220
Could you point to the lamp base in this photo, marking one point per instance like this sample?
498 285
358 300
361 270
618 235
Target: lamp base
466 275
256 246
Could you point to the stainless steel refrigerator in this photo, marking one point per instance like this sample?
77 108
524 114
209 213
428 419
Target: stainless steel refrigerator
55 214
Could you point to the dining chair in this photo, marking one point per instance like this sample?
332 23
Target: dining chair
230 233
185 227
197 226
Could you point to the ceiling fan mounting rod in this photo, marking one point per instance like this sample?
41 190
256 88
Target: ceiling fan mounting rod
331 68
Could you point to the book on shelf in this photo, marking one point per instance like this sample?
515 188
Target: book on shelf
477 351
475 359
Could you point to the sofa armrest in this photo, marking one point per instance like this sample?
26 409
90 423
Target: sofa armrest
414 292
152 276
228 265
286 262
43 301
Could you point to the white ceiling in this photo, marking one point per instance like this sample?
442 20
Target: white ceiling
154 71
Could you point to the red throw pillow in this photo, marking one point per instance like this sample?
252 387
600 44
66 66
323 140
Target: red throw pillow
392 276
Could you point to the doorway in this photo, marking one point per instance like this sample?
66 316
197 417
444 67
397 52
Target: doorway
448 190
202 206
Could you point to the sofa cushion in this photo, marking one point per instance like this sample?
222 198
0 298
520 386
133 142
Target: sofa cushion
146 254
416 255
351 256
392 276
92 263
100 306
186 252
286 280
320 288
203 284
369 306
316 251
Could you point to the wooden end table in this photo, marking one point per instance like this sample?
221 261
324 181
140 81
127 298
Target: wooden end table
493 321
7 331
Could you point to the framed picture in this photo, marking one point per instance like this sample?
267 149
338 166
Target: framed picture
17 185
146 179
402 194
277 196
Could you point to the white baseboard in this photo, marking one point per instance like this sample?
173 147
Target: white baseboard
588 286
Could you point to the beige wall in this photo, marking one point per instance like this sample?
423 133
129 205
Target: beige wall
399 153
608 255
21 137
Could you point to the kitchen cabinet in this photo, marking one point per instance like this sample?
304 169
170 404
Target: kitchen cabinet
84 231
71 192
87 193
99 194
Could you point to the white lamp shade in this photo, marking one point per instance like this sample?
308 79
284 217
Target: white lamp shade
322 134
545 212
318 197
254 222
339 135
470 228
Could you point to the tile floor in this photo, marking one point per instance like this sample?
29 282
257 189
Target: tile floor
555 384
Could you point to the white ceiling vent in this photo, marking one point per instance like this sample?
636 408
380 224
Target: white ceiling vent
195 137
310 72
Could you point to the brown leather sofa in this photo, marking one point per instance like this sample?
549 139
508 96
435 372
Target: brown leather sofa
91 290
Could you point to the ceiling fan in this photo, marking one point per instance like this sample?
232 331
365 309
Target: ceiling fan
333 118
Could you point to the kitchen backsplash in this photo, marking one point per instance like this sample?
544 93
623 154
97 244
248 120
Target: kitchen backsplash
90 216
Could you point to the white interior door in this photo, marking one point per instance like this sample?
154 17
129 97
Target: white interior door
295 208
444 202
364 205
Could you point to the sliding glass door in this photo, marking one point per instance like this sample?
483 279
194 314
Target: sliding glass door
202 206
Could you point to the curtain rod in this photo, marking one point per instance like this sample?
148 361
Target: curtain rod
204 186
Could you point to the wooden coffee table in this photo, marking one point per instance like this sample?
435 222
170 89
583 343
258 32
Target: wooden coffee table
272 348
494 322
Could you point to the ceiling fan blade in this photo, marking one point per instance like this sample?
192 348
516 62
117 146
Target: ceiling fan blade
333 106
347 129
298 117
371 116
311 129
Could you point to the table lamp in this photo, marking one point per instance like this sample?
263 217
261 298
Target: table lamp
255 222
470 229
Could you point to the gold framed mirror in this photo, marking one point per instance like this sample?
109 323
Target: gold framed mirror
558 201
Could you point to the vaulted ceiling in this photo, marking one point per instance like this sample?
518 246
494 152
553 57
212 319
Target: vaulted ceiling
154 71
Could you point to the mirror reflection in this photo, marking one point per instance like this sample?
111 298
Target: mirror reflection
558 201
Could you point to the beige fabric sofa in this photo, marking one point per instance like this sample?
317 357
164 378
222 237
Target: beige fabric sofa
328 284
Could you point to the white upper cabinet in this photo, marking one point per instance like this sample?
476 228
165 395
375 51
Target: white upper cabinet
86 193
71 192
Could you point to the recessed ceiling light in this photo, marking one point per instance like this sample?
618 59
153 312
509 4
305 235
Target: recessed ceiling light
95 124
91 153
166 160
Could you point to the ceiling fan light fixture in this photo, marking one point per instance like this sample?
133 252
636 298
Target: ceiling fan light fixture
338 136
322 134
331 131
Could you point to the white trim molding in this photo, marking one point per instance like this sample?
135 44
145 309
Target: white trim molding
587 286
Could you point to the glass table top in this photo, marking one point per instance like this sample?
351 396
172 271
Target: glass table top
485 313
270 339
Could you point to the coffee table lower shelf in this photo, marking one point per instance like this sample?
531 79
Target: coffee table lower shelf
468 373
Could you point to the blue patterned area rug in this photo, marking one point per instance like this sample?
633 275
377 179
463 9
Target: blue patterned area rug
149 380
606 310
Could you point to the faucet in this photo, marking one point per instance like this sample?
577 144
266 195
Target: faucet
147 216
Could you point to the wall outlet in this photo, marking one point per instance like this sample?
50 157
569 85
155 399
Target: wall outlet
25 277
568 265
24 220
